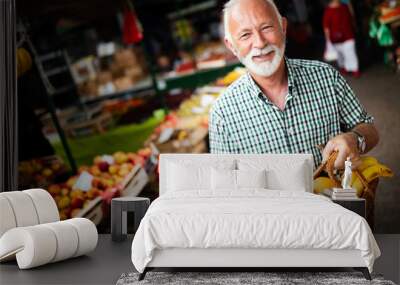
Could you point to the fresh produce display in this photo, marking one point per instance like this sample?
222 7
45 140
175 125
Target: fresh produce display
203 98
118 106
231 76
126 69
197 104
104 178
370 168
41 172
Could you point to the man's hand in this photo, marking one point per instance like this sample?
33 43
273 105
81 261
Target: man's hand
346 144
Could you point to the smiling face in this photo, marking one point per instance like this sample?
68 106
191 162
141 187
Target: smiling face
257 37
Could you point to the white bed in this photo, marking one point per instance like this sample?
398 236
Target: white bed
248 226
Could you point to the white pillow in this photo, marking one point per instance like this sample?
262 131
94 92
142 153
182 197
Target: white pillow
251 178
227 179
186 174
223 179
290 175
295 180
184 177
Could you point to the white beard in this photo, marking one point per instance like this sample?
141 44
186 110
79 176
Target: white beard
266 68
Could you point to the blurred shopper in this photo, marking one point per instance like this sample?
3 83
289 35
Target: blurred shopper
338 26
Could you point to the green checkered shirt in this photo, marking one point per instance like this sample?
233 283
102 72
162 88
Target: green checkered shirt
319 104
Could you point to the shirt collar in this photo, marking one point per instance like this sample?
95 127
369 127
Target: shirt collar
256 91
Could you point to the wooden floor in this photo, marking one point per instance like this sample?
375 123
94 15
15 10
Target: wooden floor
111 259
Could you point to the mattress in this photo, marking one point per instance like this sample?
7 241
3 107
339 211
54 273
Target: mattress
250 218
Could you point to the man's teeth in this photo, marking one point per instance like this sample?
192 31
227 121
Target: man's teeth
267 53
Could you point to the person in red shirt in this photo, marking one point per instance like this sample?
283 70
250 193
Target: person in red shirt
339 30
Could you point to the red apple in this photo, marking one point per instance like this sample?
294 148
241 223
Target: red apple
140 160
144 152
103 166
96 182
76 202
132 157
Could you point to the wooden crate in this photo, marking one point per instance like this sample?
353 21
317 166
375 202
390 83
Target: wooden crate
93 211
132 185
135 181
97 124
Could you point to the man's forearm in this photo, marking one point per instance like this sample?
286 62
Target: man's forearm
370 133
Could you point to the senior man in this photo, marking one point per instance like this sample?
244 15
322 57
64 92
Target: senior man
284 105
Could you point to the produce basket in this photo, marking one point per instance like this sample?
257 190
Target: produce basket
368 184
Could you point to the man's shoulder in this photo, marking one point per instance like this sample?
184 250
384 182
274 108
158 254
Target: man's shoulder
313 72
310 65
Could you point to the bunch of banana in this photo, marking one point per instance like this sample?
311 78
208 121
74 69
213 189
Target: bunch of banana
370 169
321 183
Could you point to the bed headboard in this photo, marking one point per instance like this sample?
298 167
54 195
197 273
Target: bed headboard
207 158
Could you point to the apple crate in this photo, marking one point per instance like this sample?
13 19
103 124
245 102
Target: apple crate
135 181
132 185
41 172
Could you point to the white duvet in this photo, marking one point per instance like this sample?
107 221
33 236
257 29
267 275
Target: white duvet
253 218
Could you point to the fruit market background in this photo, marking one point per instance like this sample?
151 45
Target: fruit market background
104 87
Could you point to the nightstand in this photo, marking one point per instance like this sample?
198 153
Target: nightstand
119 208
357 205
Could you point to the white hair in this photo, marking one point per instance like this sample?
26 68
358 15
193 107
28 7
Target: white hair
231 3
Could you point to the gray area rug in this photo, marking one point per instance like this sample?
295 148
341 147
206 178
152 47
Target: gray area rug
273 278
